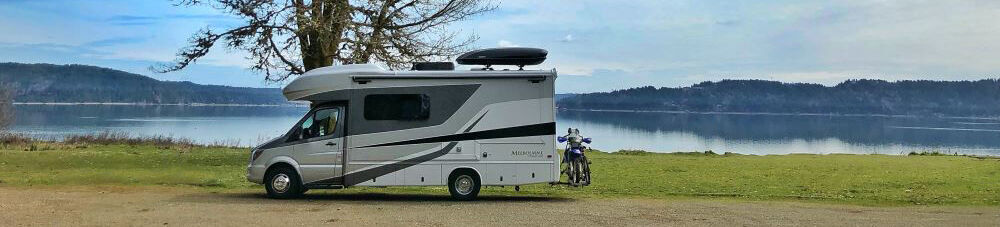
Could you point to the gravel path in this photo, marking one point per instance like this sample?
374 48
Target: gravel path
145 206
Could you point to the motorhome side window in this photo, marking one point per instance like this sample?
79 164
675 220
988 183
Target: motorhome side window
323 122
400 107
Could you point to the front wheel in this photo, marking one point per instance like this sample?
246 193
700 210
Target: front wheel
464 185
283 183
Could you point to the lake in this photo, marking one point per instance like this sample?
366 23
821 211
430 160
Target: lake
611 131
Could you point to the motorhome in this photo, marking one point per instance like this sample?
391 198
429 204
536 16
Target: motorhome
428 126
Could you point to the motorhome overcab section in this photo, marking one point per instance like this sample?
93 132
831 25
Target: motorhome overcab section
373 127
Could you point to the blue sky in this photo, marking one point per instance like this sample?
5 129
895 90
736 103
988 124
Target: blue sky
595 45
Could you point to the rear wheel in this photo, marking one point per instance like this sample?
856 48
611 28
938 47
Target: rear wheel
575 173
283 183
569 172
464 185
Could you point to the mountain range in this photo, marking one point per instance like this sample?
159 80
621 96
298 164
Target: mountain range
48 83
865 96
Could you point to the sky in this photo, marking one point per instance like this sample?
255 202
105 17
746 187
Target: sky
594 45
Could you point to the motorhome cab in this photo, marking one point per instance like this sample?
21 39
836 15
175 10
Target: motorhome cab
432 125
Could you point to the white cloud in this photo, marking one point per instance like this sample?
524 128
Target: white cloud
505 43
568 38
810 41
627 43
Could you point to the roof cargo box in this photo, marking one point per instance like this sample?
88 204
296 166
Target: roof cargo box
519 56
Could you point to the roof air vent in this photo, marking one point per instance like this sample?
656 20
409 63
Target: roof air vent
433 66
519 56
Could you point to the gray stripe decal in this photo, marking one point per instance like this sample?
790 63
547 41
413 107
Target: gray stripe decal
365 175
362 176
476 122
518 131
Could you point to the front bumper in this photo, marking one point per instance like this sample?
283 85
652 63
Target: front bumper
255 173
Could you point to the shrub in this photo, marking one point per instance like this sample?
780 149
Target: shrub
929 153
632 152
697 153
112 137
9 138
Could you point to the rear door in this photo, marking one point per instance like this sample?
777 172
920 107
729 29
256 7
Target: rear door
318 145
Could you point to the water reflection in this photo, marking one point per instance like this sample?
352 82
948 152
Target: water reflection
244 125
662 132
781 134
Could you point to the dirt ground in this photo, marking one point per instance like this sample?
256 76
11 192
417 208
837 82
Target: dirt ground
131 206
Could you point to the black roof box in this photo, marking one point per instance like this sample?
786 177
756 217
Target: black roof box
519 56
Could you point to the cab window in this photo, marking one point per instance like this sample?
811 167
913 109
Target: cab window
320 123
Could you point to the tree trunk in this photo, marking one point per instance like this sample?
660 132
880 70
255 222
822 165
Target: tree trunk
321 28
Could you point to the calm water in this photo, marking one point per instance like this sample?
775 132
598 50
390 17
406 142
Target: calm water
204 124
663 132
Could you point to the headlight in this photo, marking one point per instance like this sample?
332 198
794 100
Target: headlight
255 153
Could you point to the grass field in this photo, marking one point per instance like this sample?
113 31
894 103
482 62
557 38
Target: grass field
853 179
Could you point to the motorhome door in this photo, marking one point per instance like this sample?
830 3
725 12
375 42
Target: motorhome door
319 144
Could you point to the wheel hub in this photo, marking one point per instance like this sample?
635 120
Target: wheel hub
463 185
280 183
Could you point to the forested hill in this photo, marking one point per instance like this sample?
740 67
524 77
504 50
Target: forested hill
80 83
951 98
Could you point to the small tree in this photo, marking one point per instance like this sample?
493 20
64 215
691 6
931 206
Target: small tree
289 37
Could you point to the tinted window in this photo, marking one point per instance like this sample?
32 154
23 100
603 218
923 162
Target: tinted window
321 123
403 107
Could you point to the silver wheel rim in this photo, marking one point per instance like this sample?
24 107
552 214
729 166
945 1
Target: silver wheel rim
463 184
280 183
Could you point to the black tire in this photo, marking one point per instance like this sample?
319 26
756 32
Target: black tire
571 172
577 172
292 189
586 170
464 185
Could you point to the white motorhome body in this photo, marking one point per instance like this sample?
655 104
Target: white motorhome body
373 127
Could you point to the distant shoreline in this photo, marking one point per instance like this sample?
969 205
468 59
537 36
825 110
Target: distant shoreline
152 104
776 114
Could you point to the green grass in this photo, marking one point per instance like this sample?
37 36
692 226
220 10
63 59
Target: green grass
851 179
55 164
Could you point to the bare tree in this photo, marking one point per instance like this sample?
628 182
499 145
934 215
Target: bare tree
290 37
6 106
